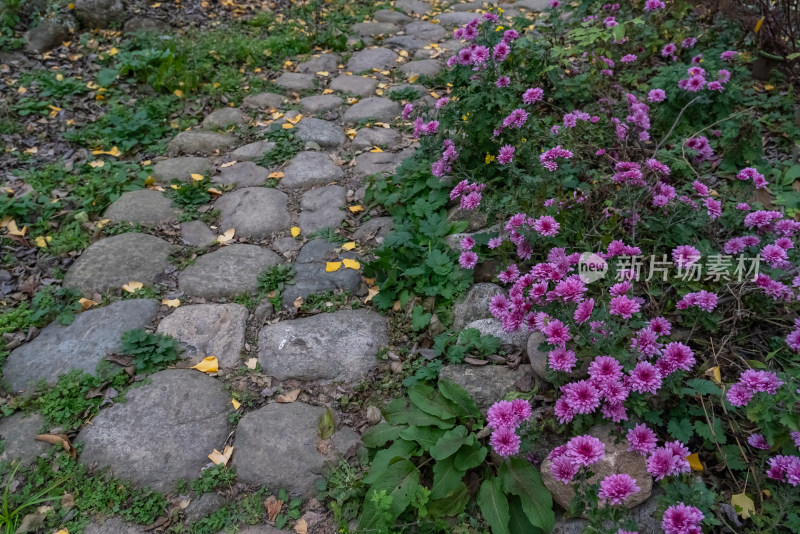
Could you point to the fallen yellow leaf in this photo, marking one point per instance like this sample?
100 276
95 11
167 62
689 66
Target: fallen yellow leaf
276 174
413 78
294 120
100 224
403 53
371 292
214 191
209 364
694 462
434 94
172 303
42 241
221 457
351 132
295 231
327 91
197 177
12 228
756 30
300 527
276 115
226 165
332 266
236 404
96 163
227 236
288 397
745 505
113 52
351 264
32 151
287 126
251 363
322 73
715 374
86 303
178 93
769 86
63 530
113 152
376 149
133 287
356 209
350 245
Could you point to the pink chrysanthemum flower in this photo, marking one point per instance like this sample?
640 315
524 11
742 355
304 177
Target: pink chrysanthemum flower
582 396
685 256
561 359
584 311
505 442
623 306
546 225
506 154
501 415
407 111
563 469
605 368
645 378
616 488
585 450
468 259
682 519
641 439
557 332
739 395
531 96
758 441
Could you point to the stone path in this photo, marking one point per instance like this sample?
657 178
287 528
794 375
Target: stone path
167 427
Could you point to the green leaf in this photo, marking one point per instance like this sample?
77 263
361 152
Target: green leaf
471 456
494 505
452 505
431 401
519 523
419 319
464 405
400 483
618 32
522 479
380 434
446 479
326 425
698 386
451 441
399 412
400 450
716 434
680 430
425 436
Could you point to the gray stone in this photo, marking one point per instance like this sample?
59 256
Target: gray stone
99 13
222 119
374 230
369 29
417 88
356 85
276 446
258 529
320 103
617 460
208 330
114 525
427 31
82 345
427 67
370 163
227 272
114 261
244 174
263 101
265 310
381 137
322 208
145 24
475 219
374 107
539 359
413 7
445 49
145 207
641 515
320 63
18 434
206 504
372 58
295 81
253 151
451 20
475 304
510 341
163 432
255 212
45 36
532 5
197 234
181 169
467 6
311 277
308 169
200 142
285 245
486 384
406 42
392 16
325 134
329 347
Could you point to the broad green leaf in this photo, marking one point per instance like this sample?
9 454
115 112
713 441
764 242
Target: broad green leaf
326 425
519 523
431 401
446 479
451 441
452 505
494 505
400 450
400 412
471 456
380 434
424 435
522 479
400 483
419 319
464 405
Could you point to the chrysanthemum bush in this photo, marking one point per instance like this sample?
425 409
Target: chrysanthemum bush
624 136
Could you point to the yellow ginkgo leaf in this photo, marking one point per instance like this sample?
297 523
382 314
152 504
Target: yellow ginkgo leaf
295 231
694 462
227 236
86 303
356 209
371 292
322 73
197 177
744 505
221 457
178 93
209 364
42 241
100 224
287 126
769 86
413 78
434 94
113 52
276 174
332 266
214 191
113 152
376 149
276 115
63 530
133 287
96 163
351 132
350 245
236 404
172 303
294 120
403 53
382 125
228 164
715 374
327 91
351 264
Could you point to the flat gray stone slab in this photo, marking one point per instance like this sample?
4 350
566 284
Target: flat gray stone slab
145 207
244 174
114 261
311 277
115 525
308 169
427 31
320 103
374 107
532 5
227 272
329 347
201 143
255 212
475 304
406 42
451 20
509 340
263 101
320 63
374 230
164 431
197 234
45 36
427 67
357 85
276 446
369 29
252 151
418 89
322 208
295 81
18 433
208 330
389 15
370 163
82 345
385 138
222 119
372 58
485 383
324 133
181 169
413 7
467 6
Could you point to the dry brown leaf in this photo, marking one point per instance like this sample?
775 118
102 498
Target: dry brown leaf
289 397
251 363
371 292
67 501
221 457
475 361
273 506
298 302
301 527
58 439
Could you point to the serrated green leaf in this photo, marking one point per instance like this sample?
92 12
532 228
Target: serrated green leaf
464 404
380 434
419 318
494 505
681 430
522 479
